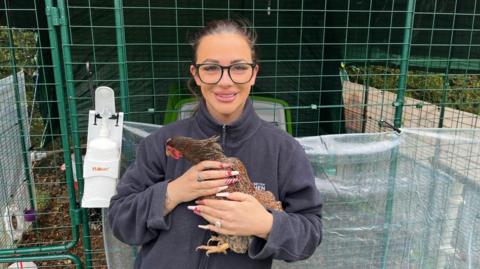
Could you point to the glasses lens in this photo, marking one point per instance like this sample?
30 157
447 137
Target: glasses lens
241 73
210 73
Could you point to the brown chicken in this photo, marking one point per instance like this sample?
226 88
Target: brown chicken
196 151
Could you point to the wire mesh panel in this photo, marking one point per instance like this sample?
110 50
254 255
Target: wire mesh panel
335 66
391 200
441 85
140 49
14 162
397 200
302 45
34 201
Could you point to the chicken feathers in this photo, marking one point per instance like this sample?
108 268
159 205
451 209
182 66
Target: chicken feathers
196 151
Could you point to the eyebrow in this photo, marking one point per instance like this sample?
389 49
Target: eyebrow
216 61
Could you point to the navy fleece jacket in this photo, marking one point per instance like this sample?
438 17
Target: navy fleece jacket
275 161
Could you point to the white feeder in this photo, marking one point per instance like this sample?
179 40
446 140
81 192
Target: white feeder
104 146
23 265
15 232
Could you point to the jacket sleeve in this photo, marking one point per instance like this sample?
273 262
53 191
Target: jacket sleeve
297 231
136 212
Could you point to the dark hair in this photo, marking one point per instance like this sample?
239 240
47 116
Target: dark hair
239 26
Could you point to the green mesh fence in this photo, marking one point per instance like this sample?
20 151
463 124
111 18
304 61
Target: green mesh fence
334 66
37 202
302 45
391 200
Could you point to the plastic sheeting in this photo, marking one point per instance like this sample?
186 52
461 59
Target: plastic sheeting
14 162
408 200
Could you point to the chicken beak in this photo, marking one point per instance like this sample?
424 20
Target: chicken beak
168 152
168 148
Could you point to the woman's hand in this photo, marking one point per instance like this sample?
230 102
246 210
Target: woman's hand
241 214
200 180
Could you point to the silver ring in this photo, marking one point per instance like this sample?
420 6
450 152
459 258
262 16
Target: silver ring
218 224
198 177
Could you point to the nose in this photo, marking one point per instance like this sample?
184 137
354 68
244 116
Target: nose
225 80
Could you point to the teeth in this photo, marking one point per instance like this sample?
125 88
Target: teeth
226 97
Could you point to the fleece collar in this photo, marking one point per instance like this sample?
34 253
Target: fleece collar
236 132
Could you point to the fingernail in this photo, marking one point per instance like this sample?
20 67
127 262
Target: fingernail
205 227
199 202
232 173
195 209
231 180
222 194
222 188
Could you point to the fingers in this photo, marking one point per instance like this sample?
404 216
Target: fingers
211 184
217 224
223 227
216 174
216 229
211 191
209 213
236 196
224 205
207 165
220 205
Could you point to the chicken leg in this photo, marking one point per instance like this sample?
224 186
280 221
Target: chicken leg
221 246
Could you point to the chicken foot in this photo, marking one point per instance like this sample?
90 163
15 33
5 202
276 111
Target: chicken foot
221 246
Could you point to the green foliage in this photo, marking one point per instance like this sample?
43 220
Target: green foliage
43 200
461 91
24 49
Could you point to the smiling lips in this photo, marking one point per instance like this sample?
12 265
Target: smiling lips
225 97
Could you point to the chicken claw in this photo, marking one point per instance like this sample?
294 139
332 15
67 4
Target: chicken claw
221 246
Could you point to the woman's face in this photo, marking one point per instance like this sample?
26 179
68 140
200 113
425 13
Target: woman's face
225 100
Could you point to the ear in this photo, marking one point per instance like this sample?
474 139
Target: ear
255 71
193 72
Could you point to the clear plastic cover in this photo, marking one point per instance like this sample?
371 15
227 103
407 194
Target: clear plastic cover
391 200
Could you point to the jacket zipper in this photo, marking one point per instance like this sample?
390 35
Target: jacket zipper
224 136
204 259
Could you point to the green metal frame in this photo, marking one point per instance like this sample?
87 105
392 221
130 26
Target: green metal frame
81 212
122 57
397 123
61 43
402 82
47 252
52 257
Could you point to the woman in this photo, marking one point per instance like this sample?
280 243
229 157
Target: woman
156 195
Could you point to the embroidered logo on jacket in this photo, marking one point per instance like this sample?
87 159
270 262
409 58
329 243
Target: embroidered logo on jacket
259 186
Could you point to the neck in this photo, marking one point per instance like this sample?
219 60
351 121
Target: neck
224 119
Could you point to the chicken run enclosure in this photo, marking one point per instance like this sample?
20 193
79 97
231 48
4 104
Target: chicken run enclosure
383 95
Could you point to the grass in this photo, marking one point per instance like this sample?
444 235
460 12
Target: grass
459 91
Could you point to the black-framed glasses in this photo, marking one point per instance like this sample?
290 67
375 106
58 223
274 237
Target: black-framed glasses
239 73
